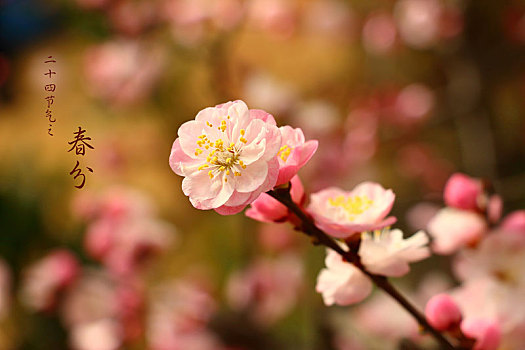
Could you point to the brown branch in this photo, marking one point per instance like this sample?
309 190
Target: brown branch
319 237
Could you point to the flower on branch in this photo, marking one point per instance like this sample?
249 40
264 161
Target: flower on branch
342 283
343 214
387 253
227 156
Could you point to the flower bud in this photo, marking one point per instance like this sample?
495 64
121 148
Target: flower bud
442 312
487 333
462 192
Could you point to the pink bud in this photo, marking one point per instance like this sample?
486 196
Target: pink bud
267 209
486 333
515 222
442 312
494 208
462 192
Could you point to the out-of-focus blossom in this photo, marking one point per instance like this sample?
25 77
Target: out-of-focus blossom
45 279
122 72
463 192
227 156
387 253
192 21
418 21
178 317
317 118
420 215
5 289
343 214
423 23
132 17
294 153
361 138
421 162
268 209
265 91
332 19
123 230
486 333
277 238
452 229
277 17
342 283
413 103
500 256
102 334
379 33
269 288
514 222
494 208
442 312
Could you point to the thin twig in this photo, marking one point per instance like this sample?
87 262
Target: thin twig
319 237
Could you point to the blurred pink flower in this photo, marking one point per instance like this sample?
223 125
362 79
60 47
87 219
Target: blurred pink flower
413 103
277 17
486 333
103 334
294 153
500 256
267 209
276 96
341 282
343 214
442 312
418 21
452 229
132 17
178 317
45 279
330 18
387 253
277 238
193 21
379 33
123 230
269 288
122 72
463 192
227 157
514 222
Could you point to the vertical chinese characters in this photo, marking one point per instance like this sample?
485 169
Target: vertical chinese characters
79 144
50 98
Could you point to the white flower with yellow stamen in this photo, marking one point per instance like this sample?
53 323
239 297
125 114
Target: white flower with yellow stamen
227 156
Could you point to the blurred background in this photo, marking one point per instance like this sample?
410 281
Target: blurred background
403 92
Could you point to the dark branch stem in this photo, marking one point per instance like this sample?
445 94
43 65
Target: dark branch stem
319 237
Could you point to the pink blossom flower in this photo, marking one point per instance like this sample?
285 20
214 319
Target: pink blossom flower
227 157
453 229
340 282
268 288
268 209
486 333
342 214
103 334
514 222
294 153
45 279
463 192
442 312
387 253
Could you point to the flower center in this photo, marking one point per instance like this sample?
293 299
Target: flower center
284 152
353 206
220 157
